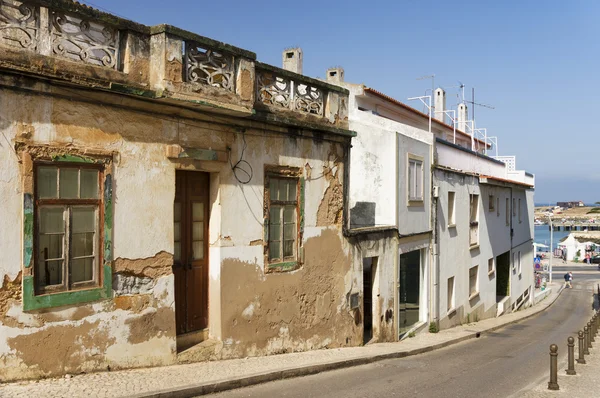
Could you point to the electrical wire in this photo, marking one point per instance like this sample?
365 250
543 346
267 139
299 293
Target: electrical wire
237 167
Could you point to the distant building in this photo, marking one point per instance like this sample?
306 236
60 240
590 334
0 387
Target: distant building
570 205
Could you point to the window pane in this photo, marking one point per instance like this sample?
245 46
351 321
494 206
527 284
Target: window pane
411 184
289 214
46 182
52 273
198 248
176 231
82 270
292 189
83 219
197 231
275 215
283 189
89 184
69 185
82 244
50 246
274 250
198 211
289 232
274 188
177 254
176 211
288 248
52 219
275 232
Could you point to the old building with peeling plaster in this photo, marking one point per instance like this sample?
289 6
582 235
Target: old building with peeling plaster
169 198
163 190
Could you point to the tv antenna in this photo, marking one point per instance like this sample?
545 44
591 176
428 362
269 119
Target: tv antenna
472 102
432 77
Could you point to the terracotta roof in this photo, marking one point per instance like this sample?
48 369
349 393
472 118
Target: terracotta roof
419 113
506 180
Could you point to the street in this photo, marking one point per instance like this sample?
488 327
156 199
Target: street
499 364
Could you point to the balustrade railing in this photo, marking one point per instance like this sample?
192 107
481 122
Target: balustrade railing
280 90
47 31
207 66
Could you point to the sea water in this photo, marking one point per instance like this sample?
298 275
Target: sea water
542 235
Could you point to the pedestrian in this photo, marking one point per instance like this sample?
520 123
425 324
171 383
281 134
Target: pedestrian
568 279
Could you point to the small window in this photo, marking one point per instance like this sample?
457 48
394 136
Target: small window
473 281
514 207
450 294
491 267
520 214
498 207
507 212
519 262
474 220
514 267
492 203
282 220
415 178
68 219
451 209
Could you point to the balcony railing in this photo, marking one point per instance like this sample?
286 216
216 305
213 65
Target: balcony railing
49 31
277 88
207 66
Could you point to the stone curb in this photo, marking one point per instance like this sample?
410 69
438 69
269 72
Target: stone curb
194 390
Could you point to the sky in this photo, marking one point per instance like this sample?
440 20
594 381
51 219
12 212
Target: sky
535 62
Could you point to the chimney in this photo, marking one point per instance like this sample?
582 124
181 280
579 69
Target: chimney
462 117
335 75
292 60
439 101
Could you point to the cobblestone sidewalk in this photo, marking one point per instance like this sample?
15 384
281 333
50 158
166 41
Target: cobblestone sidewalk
201 378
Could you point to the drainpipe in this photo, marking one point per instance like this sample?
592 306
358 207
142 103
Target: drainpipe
435 265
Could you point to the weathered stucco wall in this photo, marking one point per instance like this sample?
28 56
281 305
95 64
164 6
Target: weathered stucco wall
250 312
136 327
268 313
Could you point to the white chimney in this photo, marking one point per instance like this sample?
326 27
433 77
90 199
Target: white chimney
335 75
462 117
292 60
439 101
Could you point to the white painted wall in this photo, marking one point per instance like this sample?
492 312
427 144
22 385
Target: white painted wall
454 158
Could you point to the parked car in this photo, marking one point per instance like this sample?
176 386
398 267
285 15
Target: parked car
595 260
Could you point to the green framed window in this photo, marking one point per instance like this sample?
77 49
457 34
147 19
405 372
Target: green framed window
284 193
68 225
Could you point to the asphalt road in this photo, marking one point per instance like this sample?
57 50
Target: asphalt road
499 364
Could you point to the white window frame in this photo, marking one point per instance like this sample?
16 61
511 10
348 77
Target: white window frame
414 179
474 292
474 218
491 265
451 295
451 209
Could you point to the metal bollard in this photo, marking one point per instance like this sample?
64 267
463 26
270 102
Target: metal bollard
592 330
571 355
553 383
595 325
586 335
580 337
589 326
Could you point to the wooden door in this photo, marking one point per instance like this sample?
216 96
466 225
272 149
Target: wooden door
191 251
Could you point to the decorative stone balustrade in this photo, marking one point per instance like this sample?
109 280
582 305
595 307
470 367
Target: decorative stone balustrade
49 31
281 89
